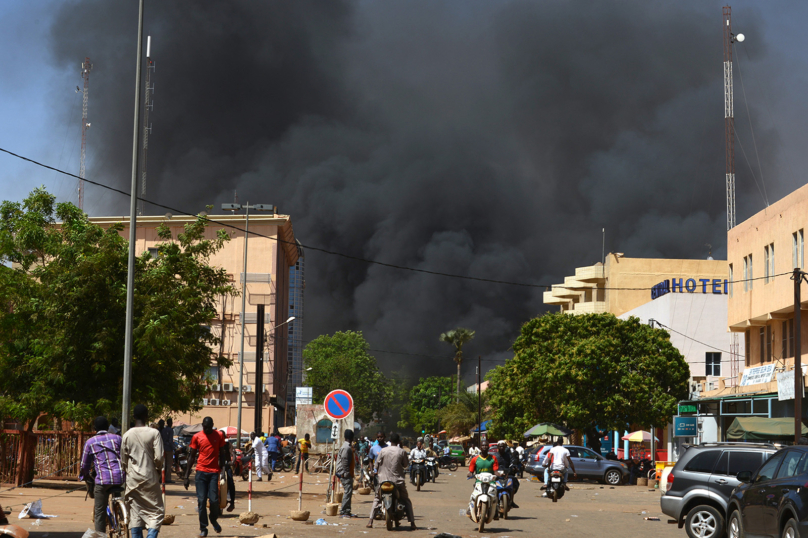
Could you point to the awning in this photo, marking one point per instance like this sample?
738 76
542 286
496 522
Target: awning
190 430
762 428
484 427
288 430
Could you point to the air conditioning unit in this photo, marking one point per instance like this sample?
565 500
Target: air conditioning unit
266 388
226 402
227 387
205 401
215 387
246 388
214 401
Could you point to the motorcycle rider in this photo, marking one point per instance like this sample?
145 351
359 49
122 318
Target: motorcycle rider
558 459
507 457
390 465
417 453
483 463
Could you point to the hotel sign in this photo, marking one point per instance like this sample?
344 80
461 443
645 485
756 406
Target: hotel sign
757 375
715 286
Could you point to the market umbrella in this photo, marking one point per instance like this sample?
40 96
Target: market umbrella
547 428
230 431
639 437
287 430
190 430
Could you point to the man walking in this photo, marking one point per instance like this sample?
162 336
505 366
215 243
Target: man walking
208 451
345 472
273 450
303 446
142 461
167 434
102 454
391 464
259 453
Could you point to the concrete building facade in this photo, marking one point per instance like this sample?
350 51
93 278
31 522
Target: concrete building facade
266 282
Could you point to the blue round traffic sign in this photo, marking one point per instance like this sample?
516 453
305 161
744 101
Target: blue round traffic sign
338 404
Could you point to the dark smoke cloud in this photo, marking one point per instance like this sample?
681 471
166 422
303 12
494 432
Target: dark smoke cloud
489 139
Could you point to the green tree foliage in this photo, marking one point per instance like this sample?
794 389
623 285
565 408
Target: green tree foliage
342 362
457 337
460 417
62 319
587 370
424 401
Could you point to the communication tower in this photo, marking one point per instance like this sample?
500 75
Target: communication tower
86 66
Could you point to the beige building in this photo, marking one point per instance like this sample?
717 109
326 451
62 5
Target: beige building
624 284
266 283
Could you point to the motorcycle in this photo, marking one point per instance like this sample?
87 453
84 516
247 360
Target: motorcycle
483 502
241 465
448 462
431 470
369 478
505 491
418 473
555 487
181 460
393 511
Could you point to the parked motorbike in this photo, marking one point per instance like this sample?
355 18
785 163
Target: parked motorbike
555 487
431 469
392 509
448 462
181 460
505 491
483 502
418 473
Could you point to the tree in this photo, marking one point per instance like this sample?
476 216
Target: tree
457 337
461 416
424 401
587 371
62 320
342 362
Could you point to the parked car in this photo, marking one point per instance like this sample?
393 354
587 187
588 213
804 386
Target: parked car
769 501
701 482
588 464
457 453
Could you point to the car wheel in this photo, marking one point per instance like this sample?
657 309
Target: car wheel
735 527
791 530
613 477
704 521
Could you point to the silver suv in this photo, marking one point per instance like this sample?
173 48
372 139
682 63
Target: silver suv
701 482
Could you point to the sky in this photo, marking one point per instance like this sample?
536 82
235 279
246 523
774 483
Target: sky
493 140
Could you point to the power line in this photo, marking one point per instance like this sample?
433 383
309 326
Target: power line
547 287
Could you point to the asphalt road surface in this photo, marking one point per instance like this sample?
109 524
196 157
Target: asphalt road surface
589 509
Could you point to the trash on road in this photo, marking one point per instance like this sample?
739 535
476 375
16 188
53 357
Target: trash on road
652 519
34 511
321 521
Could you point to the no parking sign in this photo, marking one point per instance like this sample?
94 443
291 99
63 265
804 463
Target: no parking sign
338 404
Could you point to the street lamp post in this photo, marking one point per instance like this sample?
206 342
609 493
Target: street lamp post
246 207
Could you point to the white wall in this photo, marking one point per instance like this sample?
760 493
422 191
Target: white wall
703 318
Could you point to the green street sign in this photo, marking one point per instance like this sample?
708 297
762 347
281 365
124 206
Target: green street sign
688 408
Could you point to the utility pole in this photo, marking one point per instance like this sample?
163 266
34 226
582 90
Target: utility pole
130 273
798 379
438 407
149 106
86 66
479 402
259 370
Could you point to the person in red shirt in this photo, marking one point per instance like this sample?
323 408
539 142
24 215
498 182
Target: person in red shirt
208 450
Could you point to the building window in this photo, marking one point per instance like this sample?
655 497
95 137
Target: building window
762 345
768 343
154 252
768 263
747 273
788 338
747 344
730 280
713 363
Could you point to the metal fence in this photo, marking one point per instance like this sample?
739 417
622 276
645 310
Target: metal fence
46 455
9 455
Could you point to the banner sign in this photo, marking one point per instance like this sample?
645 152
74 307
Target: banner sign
685 426
785 385
758 374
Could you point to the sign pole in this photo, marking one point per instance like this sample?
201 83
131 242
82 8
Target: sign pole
798 379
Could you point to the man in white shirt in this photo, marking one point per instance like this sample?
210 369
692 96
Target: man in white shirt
558 459
419 452
261 457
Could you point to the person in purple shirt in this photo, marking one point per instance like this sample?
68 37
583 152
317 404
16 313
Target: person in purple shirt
101 460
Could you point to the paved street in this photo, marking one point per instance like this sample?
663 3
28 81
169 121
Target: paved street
589 509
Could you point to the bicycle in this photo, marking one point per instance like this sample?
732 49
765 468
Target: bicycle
117 514
322 464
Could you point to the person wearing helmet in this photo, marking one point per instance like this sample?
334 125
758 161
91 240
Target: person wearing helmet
505 459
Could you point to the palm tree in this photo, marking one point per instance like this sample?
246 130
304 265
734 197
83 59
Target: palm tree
457 337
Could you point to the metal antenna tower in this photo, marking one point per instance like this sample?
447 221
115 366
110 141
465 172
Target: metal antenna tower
149 106
86 66
729 142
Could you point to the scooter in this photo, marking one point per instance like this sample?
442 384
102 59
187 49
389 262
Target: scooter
431 469
393 511
555 487
418 473
448 462
369 478
483 502
505 493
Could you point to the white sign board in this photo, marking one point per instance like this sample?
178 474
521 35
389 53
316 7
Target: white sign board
757 375
303 396
785 385
335 431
